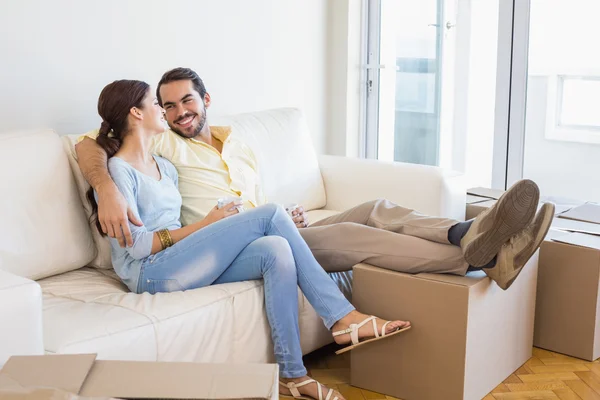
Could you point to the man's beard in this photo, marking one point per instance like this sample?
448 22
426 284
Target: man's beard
195 132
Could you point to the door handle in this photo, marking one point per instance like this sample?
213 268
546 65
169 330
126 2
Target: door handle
374 66
449 25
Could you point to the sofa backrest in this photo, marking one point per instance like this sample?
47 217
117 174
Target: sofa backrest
283 146
286 155
43 228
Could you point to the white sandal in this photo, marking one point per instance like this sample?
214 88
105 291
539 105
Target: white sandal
293 388
353 331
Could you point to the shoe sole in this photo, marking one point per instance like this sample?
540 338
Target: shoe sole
539 238
514 211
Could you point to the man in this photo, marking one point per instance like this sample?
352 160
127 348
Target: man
214 164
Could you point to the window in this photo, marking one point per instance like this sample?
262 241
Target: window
499 90
432 84
562 130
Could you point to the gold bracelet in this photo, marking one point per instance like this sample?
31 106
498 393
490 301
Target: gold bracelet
165 238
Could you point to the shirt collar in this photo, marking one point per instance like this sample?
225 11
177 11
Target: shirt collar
220 132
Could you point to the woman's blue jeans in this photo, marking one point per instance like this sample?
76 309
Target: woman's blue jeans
262 243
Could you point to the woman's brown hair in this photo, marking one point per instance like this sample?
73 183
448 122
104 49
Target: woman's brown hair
114 104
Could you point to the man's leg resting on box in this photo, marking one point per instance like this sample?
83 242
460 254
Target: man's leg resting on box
386 235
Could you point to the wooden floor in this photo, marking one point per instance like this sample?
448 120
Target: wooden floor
546 375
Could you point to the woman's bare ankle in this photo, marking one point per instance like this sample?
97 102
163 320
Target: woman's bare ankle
345 321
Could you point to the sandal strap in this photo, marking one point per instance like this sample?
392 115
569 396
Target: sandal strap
383 328
375 328
345 331
293 387
354 333
320 391
329 393
353 329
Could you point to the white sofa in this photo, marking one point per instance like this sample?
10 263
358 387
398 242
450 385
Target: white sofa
46 239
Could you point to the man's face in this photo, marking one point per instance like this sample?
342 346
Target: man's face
185 110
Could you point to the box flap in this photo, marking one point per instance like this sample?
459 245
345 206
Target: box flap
487 204
149 380
485 192
576 226
471 199
579 239
588 212
61 371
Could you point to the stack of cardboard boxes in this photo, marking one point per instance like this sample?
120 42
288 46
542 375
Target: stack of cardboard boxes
567 312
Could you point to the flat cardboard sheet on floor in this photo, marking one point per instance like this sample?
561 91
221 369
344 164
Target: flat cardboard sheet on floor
87 377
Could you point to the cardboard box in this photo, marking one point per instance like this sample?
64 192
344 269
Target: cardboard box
479 199
85 376
467 335
567 318
474 209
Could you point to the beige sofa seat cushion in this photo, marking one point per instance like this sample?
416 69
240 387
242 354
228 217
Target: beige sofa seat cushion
90 310
44 229
317 215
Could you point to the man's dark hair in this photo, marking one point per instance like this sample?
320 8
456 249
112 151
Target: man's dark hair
181 74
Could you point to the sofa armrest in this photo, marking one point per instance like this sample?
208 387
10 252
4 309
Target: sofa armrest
20 317
430 190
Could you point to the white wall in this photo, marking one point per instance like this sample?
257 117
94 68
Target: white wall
56 56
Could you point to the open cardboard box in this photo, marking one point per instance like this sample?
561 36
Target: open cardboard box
83 375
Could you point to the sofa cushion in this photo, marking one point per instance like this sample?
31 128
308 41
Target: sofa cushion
317 215
44 229
280 139
90 310
102 259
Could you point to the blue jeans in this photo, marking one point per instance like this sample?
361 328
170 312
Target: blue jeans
259 243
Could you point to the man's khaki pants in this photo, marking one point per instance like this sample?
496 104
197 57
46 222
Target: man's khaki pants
385 235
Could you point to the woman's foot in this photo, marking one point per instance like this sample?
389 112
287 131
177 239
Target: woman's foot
308 390
365 331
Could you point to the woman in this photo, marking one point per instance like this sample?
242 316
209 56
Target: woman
225 246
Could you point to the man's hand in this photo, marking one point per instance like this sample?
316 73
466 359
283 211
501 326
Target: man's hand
114 215
300 218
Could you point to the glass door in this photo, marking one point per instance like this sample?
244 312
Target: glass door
431 84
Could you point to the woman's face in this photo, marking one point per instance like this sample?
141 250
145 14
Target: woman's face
154 121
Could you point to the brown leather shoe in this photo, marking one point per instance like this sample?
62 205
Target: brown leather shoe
513 211
518 250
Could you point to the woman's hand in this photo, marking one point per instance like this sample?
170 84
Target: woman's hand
217 214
